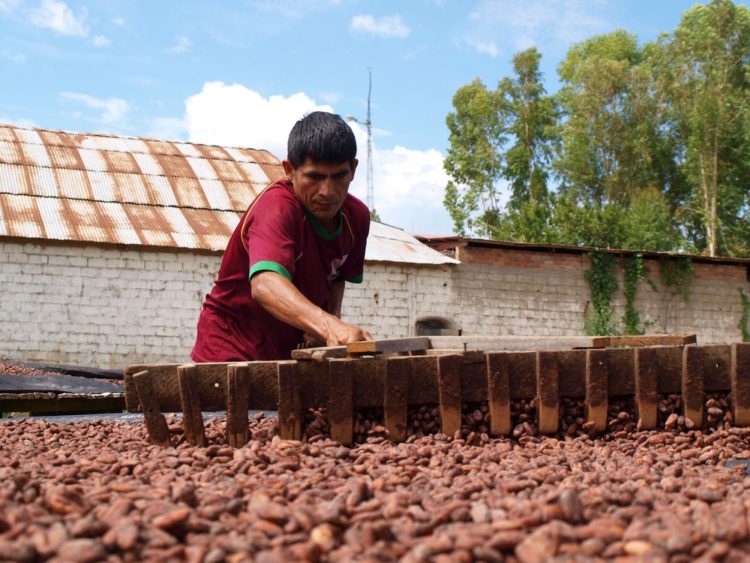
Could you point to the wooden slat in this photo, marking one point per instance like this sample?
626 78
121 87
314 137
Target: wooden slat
395 400
510 343
637 340
392 346
548 398
320 353
192 416
156 424
340 401
498 393
597 383
290 406
646 386
740 379
692 383
238 401
449 392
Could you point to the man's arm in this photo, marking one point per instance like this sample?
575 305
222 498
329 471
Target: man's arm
336 298
283 300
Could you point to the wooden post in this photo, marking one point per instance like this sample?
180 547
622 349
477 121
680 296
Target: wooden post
646 387
498 393
340 400
156 424
192 416
449 392
692 383
238 399
740 376
597 388
395 396
290 405
547 392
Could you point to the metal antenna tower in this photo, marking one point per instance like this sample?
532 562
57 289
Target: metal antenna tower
370 198
368 123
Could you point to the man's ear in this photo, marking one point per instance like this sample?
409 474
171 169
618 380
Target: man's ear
288 168
353 165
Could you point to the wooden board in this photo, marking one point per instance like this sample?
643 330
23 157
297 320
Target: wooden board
511 343
393 346
644 340
320 353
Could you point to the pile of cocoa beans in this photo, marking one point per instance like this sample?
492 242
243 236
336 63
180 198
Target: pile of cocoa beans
98 491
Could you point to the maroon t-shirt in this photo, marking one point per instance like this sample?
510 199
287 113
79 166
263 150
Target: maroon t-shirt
277 233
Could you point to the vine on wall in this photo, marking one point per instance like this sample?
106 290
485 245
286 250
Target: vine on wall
743 324
634 272
677 273
603 283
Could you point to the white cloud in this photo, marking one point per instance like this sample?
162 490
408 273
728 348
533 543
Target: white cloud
408 184
112 110
234 115
167 128
120 22
536 22
56 15
408 188
387 26
19 122
485 47
101 41
181 45
331 98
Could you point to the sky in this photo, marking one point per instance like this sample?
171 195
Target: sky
240 73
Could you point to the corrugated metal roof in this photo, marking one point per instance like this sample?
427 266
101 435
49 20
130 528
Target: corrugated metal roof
121 190
394 245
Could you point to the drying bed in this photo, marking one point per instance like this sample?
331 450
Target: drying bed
99 491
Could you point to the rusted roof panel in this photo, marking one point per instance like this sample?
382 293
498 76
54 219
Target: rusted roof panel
120 190
105 189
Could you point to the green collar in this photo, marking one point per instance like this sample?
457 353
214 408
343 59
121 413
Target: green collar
319 228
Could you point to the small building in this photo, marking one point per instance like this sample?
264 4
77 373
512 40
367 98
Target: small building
109 244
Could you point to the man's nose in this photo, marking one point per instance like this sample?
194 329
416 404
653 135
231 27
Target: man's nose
327 186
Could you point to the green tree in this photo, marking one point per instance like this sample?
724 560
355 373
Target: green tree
703 72
611 130
506 134
530 119
474 160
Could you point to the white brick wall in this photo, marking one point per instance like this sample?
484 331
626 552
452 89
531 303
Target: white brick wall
107 307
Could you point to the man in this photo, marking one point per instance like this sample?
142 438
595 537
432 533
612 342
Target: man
281 280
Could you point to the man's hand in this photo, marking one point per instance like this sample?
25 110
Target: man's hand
282 299
339 332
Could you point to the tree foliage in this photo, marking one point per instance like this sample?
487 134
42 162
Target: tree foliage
644 147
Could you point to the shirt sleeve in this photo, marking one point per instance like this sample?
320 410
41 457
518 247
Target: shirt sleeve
271 234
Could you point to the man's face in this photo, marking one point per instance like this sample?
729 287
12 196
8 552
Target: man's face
321 188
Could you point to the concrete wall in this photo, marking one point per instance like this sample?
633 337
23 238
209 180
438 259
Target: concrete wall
523 292
108 307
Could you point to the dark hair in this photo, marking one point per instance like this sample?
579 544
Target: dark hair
322 137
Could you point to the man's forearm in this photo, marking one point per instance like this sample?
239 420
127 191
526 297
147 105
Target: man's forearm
336 298
283 300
